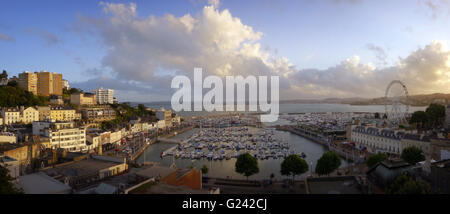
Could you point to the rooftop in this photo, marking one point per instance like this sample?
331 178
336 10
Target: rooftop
334 185
6 159
155 171
82 168
40 183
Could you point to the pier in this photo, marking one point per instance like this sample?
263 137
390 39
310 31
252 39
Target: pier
168 140
349 156
165 138
303 134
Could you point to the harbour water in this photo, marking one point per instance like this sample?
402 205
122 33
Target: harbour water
225 168
299 108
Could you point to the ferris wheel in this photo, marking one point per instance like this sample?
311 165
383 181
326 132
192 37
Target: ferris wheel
397 105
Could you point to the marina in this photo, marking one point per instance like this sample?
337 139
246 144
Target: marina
225 143
224 168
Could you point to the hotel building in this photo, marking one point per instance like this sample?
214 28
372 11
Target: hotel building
66 135
104 96
387 140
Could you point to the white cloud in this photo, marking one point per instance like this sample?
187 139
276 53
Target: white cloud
147 51
426 70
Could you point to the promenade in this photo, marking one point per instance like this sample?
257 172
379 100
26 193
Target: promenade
344 150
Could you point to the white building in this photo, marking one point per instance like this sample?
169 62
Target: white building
64 135
104 96
7 137
386 140
11 115
95 139
166 116
29 115
65 84
377 140
161 124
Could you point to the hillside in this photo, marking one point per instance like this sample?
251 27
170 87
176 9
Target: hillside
11 96
414 100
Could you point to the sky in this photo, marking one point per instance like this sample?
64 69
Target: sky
320 49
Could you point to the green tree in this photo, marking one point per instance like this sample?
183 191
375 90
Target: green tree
74 90
4 74
374 159
404 184
293 165
377 115
329 162
419 118
246 165
436 114
6 183
412 155
205 169
14 96
13 83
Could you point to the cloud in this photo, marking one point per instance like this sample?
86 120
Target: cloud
144 53
436 7
49 38
4 37
379 53
143 49
426 70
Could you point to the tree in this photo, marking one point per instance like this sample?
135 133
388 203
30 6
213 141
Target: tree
14 96
74 90
419 118
246 165
374 159
404 184
412 155
329 162
4 75
436 114
293 165
204 169
6 185
13 83
377 115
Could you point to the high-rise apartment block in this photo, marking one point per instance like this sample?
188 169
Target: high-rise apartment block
41 83
104 96
28 82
